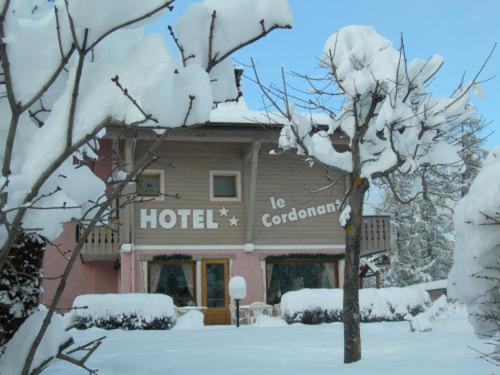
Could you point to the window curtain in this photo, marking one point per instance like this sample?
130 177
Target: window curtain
188 274
154 277
330 273
269 273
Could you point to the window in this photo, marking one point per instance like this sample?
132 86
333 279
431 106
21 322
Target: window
176 279
286 276
225 186
150 184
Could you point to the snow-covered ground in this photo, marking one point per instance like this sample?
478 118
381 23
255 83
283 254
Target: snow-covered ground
388 348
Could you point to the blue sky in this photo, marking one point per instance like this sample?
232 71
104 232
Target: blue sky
463 32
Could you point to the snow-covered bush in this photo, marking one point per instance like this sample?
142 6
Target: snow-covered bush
126 311
475 276
421 322
440 309
315 306
19 345
191 320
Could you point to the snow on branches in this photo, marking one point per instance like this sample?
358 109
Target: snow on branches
227 26
376 118
58 61
386 114
69 68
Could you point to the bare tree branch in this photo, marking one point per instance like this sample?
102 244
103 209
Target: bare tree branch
215 59
167 4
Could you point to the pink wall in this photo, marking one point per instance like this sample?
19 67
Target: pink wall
248 266
90 277
101 277
126 273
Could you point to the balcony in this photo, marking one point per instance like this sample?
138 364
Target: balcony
103 242
375 235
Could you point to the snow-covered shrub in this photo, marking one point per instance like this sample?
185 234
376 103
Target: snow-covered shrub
20 285
191 320
475 276
126 311
17 348
422 322
315 306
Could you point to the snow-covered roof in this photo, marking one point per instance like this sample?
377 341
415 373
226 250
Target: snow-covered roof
239 113
370 264
431 285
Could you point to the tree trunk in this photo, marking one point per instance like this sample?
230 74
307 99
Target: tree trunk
351 316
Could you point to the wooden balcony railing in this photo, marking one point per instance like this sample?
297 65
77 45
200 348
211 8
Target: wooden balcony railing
375 235
103 242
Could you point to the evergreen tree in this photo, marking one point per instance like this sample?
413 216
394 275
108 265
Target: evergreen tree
422 231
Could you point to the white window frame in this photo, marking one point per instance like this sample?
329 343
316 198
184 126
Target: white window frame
161 173
235 173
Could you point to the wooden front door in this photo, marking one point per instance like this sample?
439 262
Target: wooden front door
214 290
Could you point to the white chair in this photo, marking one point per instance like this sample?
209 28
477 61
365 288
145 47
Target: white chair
276 310
259 308
244 314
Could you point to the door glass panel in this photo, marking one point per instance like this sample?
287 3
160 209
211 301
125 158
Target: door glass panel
215 285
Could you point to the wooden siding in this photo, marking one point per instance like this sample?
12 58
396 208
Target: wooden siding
289 177
187 166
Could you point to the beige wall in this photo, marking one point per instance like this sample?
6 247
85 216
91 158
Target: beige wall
186 166
287 176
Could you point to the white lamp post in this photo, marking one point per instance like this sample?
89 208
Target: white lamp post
237 291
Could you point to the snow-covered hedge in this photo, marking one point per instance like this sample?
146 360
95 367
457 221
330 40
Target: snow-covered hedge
315 306
125 311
